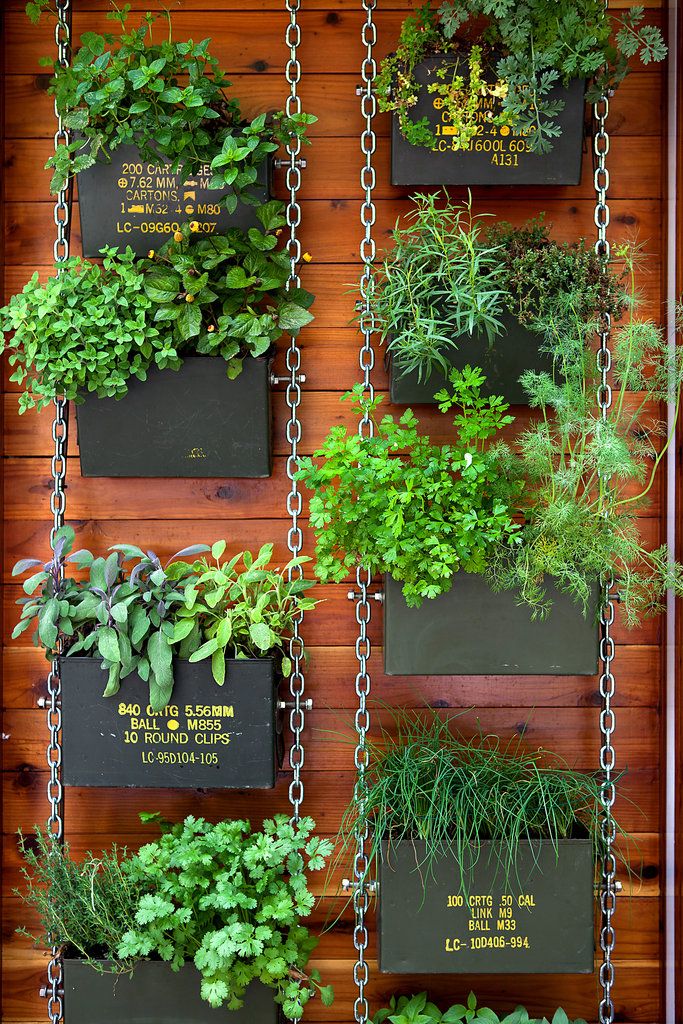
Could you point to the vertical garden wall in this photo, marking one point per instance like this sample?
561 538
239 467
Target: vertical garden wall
559 713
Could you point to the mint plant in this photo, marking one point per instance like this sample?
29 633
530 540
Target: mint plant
130 619
226 898
92 329
515 53
418 1010
398 503
163 96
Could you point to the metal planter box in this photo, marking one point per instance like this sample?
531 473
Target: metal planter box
153 994
209 736
193 422
496 156
503 361
130 202
541 921
472 630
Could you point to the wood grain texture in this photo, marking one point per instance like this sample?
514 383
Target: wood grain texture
560 713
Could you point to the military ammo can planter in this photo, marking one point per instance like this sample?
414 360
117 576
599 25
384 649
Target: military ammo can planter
538 920
132 202
193 422
472 630
153 994
496 155
208 736
503 361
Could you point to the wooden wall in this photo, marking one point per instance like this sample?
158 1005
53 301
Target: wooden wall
560 713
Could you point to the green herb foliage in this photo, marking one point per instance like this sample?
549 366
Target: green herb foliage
93 328
231 900
427 782
418 1010
165 97
222 896
130 619
450 274
397 503
586 478
519 53
226 295
90 329
84 906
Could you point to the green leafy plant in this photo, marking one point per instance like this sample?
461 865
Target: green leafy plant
165 97
131 619
397 503
224 897
427 782
418 1010
226 295
449 274
93 328
516 54
586 477
84 906
90 329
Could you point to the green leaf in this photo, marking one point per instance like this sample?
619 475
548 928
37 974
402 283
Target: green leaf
108 644
189 321
262 635
293 317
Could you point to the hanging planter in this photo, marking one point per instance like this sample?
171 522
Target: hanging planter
515 350
186 924
487 95
456 288
169 671
156 139
131 202
540 920
153 994
193 422
495 155
209 736
472 630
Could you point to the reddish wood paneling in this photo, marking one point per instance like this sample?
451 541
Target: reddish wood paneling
560 713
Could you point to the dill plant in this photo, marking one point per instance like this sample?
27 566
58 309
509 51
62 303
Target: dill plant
517 53
428 783
587 478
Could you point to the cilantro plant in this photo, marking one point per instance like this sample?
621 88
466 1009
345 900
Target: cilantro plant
130 619
450 274
516 53
400 504
224 897
93 328
165 97
419 1010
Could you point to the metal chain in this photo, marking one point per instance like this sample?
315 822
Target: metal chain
608 888
293 397
368 142
60 433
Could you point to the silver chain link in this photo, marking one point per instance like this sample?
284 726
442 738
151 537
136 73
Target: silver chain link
608 890
293 397
60 433
368 143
